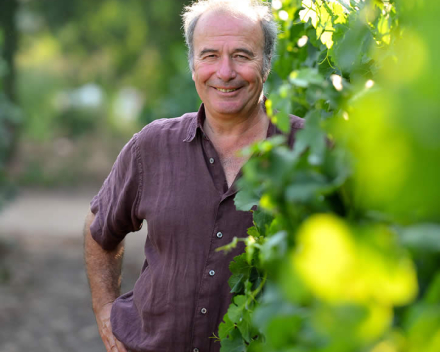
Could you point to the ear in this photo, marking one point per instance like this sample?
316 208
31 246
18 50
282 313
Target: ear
192 75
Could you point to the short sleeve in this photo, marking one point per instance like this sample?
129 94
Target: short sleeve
116 205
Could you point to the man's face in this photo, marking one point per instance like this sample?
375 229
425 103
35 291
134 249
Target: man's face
228 62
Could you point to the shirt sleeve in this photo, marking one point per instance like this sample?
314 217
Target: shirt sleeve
116 205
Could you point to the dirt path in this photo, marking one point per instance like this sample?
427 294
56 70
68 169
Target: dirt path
45 303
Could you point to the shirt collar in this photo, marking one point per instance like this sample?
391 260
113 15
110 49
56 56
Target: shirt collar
196 123
199 118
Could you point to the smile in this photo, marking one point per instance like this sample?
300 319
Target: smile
226 90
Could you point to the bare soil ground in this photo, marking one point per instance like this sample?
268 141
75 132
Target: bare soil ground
44 296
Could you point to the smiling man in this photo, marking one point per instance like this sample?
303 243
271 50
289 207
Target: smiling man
179 175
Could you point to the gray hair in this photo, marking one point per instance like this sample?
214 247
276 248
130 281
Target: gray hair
257 9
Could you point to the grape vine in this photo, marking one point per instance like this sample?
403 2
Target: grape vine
344 254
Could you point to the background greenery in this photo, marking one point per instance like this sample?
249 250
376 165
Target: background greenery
86 76
345 254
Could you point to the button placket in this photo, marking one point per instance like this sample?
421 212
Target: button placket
203 320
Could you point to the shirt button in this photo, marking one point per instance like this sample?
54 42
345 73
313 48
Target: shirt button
219 235
196 350
203 311
211 160
212 272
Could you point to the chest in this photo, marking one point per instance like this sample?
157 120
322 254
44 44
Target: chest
231 162
229 152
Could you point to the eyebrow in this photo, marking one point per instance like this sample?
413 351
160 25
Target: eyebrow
238 50
206 51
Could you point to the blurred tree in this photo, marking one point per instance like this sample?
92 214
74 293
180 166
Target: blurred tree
94 71
8 50
113 44
9 113
8 14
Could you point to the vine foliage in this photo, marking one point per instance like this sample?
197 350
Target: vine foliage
344 253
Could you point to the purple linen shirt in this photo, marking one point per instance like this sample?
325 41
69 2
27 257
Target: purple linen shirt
170 175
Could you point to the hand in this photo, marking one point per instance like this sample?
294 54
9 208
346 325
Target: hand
105 330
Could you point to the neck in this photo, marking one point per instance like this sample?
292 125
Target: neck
218 127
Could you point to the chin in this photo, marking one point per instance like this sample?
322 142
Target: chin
228 109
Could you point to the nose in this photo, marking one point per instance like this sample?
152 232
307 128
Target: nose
225 70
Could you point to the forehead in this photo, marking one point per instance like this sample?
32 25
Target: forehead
218 26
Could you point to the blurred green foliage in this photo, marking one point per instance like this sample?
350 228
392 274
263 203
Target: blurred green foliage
9 115
109 47
344 255
87 76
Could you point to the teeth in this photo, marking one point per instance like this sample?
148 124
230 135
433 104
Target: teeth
226 90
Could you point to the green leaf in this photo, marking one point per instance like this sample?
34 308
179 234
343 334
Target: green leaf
245 201
282 120
302 192
272 305
422 236
239 314
245 326
305 77
262 220
235 311
240 270
433 294
274 247
312 137
350 50
234 343
225 327
282 331
251 244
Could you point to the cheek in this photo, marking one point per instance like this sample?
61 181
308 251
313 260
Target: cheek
253 77
202 73
252 74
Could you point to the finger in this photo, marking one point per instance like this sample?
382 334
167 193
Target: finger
108 348
109 341
112 342
120 346
105 340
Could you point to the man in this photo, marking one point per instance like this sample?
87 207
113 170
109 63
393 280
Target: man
179 174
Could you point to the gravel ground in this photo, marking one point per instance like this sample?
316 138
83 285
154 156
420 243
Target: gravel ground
44 296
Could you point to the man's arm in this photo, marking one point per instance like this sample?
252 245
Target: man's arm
104 274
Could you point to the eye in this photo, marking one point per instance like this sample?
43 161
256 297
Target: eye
241 56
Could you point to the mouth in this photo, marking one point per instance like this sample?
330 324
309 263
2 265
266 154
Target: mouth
226 90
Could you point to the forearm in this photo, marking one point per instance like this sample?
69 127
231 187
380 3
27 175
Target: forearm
103 268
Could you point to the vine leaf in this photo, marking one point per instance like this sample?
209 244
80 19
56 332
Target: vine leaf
225 327
234 342
245 201
240 270
311 137
274 247
240 315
